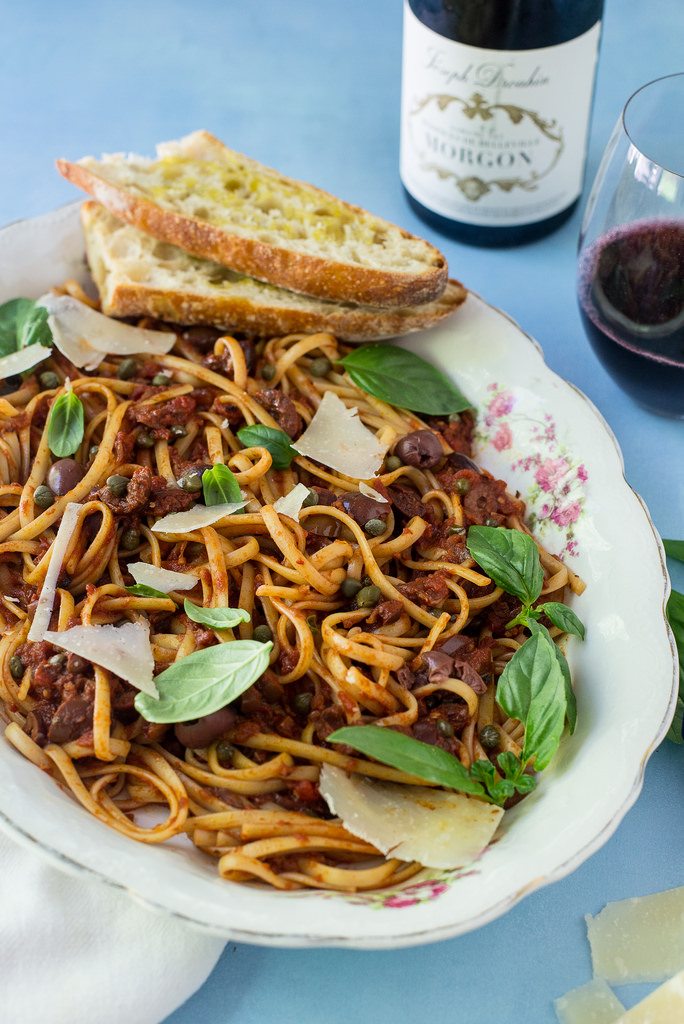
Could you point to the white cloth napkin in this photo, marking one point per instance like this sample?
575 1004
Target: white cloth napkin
74 951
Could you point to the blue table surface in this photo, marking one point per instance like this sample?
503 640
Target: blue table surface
312 87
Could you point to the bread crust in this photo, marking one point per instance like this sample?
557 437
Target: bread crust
298 272
241 315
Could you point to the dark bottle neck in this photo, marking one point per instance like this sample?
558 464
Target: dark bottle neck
508 24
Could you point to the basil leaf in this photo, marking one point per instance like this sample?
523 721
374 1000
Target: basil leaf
514 772
674 549
563 617
500 790
510 558
404 379
65 424
23 323
142 590
215 618
277 442
205 681
408 755
675 614
531 688
220 485
570 699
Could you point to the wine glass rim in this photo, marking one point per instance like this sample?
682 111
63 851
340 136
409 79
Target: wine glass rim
623 118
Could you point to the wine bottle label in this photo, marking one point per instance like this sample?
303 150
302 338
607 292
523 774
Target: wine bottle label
494 137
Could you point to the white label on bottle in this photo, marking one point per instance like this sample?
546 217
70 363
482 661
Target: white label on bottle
494 137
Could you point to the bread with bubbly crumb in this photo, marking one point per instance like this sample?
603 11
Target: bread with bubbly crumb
219 205
137 275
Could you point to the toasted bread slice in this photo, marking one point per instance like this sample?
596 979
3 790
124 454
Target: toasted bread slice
221 206
137 275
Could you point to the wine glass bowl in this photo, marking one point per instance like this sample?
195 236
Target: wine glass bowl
631 252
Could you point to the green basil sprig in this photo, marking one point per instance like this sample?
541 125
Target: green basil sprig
205 681
510 558
401 378
277 442
65 424
409 755
675 614
436 765
23 323
674 549
219 485
215 618
142 590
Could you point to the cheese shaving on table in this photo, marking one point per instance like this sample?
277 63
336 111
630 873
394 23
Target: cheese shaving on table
161 579
291 504
23 360
86 336
664 1006
41 618
370 492
593 1003
337 438
439 829
196 517
124 650
640 939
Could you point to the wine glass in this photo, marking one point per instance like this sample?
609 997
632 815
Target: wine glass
631 252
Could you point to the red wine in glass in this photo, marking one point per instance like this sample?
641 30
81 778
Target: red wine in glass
631 298
630 282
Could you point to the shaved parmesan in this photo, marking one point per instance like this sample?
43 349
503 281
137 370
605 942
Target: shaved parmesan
370 492
86 336
196 517
664 1006
640 939
125 650
337 438
593 1003
291 504
161 579
41 619
436 828
24 359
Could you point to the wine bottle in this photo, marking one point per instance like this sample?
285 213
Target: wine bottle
496 100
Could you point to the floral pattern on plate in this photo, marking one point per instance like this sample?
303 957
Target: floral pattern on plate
555 495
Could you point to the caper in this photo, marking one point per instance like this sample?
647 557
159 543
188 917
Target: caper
457 531
392 462
16 667
178 431
161 380
445 728
311 499
48 380
302 703
350 587
224 753
191 480
127 369
454 417
130 539
462 486
368 597
262 634
320 367
93 450
144 439
43 496
57 660
118 485
490 522
489 737
268 371
374 527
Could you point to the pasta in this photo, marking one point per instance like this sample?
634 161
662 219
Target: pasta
361 596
